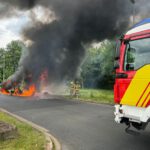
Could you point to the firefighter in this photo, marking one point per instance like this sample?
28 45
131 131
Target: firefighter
77 89
72 88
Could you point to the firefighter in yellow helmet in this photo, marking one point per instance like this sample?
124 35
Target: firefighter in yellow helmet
75 88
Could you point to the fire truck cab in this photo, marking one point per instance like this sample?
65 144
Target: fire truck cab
132 78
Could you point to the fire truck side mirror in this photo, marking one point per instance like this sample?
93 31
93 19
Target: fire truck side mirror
117 51
116 64
130 66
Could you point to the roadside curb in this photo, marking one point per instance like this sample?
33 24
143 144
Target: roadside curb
93 102
52 142
88 101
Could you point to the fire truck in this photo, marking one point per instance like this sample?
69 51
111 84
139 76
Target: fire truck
132 76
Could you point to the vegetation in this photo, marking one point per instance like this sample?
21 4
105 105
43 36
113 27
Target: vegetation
28 139
9 58
95 95
100 96
97 69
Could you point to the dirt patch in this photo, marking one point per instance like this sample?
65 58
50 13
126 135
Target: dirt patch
7 131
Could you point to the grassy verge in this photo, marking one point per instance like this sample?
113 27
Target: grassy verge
99 96
28 139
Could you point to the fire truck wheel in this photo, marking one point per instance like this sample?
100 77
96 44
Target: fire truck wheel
139 126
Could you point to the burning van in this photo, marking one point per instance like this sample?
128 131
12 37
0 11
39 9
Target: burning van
132 83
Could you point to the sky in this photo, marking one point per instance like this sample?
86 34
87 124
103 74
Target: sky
10 29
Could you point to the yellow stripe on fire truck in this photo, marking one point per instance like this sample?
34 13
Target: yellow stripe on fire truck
138 92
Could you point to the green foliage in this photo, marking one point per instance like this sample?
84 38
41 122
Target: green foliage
98 66
9 58
28 139
94 95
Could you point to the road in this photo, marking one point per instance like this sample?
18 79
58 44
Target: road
77 125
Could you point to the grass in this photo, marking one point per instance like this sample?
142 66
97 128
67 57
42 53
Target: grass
28 139
96 95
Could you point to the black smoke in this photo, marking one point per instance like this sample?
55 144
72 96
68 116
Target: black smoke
58 46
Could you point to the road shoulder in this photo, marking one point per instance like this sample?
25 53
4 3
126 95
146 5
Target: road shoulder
52 142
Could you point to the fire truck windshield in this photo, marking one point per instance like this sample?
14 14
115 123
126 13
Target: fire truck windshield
137 54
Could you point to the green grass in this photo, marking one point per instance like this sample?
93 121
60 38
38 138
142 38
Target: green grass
28 139
96 95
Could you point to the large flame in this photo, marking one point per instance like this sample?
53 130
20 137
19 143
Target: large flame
25 93
16 90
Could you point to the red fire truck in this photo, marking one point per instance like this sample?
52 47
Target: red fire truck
132 83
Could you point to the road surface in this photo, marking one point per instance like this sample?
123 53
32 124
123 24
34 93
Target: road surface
77 125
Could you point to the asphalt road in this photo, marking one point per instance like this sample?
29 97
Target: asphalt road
78 125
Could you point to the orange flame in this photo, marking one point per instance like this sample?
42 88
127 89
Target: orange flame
25 93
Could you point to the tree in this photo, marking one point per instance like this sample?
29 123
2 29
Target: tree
9 57
98 66
2 63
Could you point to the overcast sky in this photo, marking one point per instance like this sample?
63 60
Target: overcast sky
10 29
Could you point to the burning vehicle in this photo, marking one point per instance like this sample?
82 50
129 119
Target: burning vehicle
18 88
25 87
17 91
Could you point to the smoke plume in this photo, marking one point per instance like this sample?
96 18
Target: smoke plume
58 45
